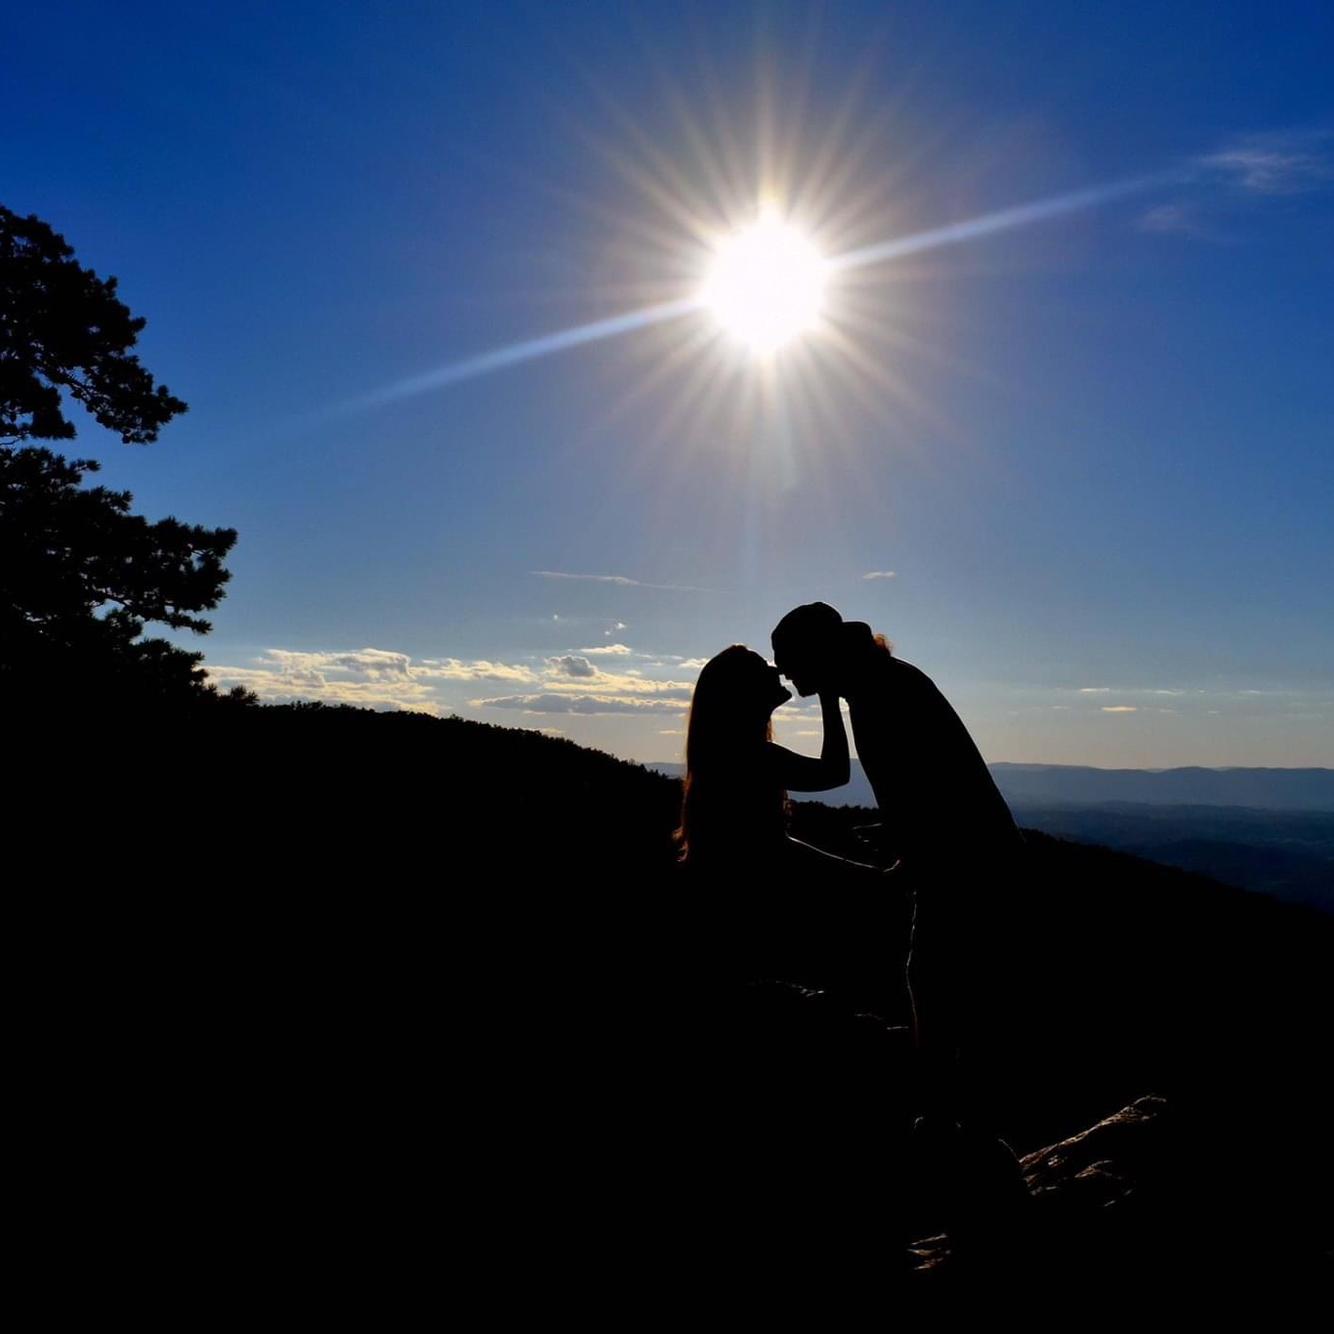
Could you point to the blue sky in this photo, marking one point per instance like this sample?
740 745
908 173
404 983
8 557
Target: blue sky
1095 452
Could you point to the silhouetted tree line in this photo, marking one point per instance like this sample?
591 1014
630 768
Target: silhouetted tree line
80 574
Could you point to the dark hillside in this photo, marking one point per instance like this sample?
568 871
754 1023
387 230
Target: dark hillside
388 965
1289 854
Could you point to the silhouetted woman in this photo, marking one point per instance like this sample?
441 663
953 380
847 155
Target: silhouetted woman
734 810
799 1117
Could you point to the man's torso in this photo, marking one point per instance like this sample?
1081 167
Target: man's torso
936 796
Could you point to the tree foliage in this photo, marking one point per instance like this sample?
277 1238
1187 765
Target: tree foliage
63 328
80 575
68 553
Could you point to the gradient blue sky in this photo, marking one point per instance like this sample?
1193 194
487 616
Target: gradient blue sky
1096 452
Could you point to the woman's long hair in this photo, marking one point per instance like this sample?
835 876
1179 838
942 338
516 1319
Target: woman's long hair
731 803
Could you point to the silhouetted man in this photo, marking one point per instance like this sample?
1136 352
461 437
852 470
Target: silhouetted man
948 825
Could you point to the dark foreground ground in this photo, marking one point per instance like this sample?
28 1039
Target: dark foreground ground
307 1014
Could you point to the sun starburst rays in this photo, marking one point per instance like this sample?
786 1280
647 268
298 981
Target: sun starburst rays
700 193
777 273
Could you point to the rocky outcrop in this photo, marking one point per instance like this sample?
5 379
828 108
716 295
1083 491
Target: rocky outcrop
1151 1197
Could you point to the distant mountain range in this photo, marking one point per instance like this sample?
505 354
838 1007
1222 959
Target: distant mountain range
1270 830
1265 789
1079 785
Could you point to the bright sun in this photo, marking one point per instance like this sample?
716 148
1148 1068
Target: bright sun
766 285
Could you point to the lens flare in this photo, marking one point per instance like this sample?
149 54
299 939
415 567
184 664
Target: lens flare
766 285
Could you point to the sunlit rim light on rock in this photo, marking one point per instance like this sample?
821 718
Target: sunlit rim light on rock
766 284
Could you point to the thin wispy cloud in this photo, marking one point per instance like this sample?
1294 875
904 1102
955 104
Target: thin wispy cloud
607 651
584 704
367 664
1191 699
1136 690
619 683
1175 220
880 574
454 669
619 580
1243 172
1280 163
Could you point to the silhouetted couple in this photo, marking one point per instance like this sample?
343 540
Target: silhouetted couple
945 826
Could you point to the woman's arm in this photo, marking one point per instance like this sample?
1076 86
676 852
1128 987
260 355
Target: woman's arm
807 858
800 773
